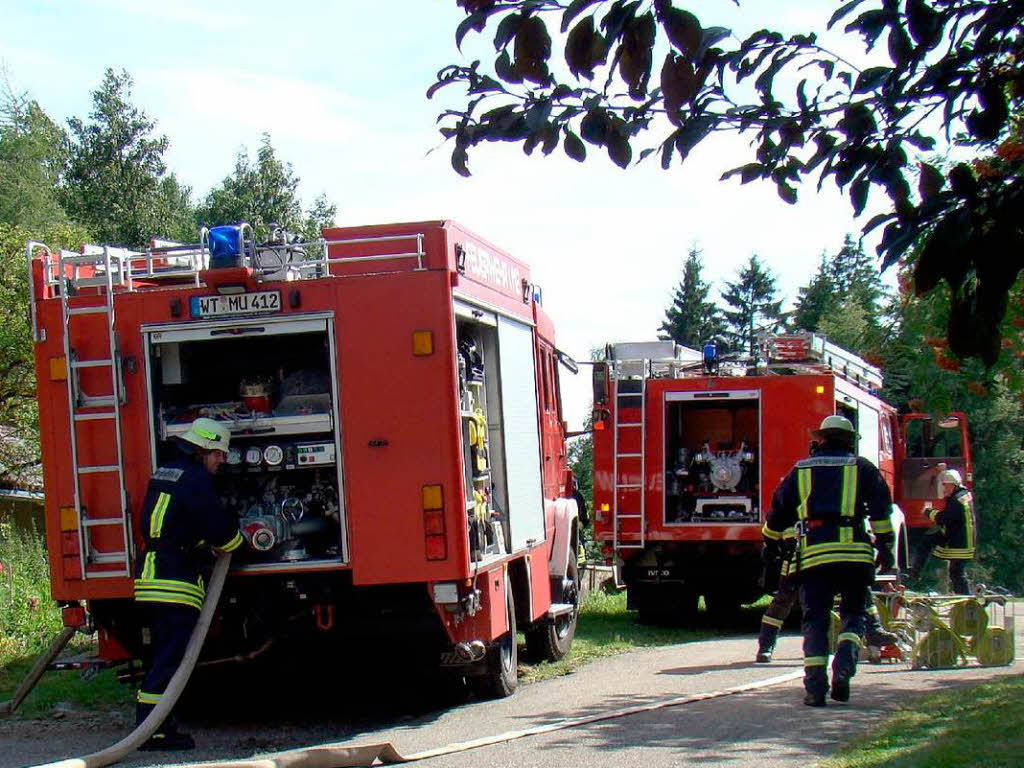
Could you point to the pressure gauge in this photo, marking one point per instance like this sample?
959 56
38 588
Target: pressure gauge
253 456
273 455
234 457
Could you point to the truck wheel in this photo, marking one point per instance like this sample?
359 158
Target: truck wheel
502 662
550 640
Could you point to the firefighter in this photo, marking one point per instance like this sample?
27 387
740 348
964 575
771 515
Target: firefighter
786 595
826 499
181 511
954 536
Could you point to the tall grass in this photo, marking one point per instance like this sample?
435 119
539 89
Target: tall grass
28 617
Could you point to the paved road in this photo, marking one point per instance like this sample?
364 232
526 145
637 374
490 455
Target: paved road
758 728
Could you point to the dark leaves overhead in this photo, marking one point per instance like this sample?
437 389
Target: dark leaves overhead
952 72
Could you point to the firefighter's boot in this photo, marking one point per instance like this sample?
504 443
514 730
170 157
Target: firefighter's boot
168 740
844 667
766 639
815 685
874 633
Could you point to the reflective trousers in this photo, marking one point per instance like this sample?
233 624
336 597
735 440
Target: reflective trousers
957 577
819 587
782 603
171 627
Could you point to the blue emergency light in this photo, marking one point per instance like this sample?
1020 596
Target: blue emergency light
227 246
710 356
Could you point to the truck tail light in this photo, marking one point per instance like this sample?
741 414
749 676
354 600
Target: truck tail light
73 615
435 539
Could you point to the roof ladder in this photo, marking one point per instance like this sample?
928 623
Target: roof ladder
629 394
96 418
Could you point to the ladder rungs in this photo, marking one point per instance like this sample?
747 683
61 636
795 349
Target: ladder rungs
87 310
628 485
92 363
628 455
99 401
631 424
102 558
107 574
94 416
98 468
89 523
630 516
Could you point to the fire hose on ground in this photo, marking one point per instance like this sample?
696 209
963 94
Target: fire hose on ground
346 755
148 727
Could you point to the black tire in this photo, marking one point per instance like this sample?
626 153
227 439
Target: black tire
501 675
551 639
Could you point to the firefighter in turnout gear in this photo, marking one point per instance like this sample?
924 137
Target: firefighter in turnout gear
825 499
787 593
181 512
954 536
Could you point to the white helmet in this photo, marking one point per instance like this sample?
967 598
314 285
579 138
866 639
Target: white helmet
836 424
209 434
952 477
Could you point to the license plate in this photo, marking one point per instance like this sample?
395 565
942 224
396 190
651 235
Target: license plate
260 302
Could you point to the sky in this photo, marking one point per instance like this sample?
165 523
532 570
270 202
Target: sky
340 87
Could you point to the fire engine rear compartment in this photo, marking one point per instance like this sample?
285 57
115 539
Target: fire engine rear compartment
712 457
273 381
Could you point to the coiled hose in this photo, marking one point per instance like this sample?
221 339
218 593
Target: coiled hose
148 727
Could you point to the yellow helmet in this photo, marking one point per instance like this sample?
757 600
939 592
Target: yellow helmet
209 434
836 424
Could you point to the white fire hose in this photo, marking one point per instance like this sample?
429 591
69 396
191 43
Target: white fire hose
148 727
345 755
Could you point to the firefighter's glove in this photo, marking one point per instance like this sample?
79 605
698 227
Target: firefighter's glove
771 552
884 560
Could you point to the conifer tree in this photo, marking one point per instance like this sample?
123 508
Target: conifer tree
755 308
691 319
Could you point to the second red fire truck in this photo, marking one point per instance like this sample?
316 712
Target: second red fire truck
688 450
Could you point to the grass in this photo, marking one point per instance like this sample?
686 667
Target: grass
980 727
29 620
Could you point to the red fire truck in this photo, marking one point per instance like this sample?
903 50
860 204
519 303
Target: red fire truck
397 462
688 450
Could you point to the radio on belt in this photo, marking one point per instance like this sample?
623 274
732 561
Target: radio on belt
315 453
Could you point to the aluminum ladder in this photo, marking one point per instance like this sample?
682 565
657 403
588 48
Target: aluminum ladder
96 412
627 394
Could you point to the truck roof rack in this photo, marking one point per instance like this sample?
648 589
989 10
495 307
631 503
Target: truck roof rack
170 262
813 352
803 352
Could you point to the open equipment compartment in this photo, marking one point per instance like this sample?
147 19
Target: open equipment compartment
712 447
273 381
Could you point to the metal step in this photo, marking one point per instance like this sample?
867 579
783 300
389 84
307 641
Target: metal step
120 574
103 558
88 310
89 523
97 401
94 416
97 363
98 468
560 609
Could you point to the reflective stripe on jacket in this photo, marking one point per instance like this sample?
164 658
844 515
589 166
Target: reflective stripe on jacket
827 497
181 510
959 525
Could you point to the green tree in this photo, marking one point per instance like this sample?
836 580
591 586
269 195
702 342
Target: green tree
33 160
953 70
923 374
691 319
815 299
263 193
755 308
117 183
19 448
843 299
